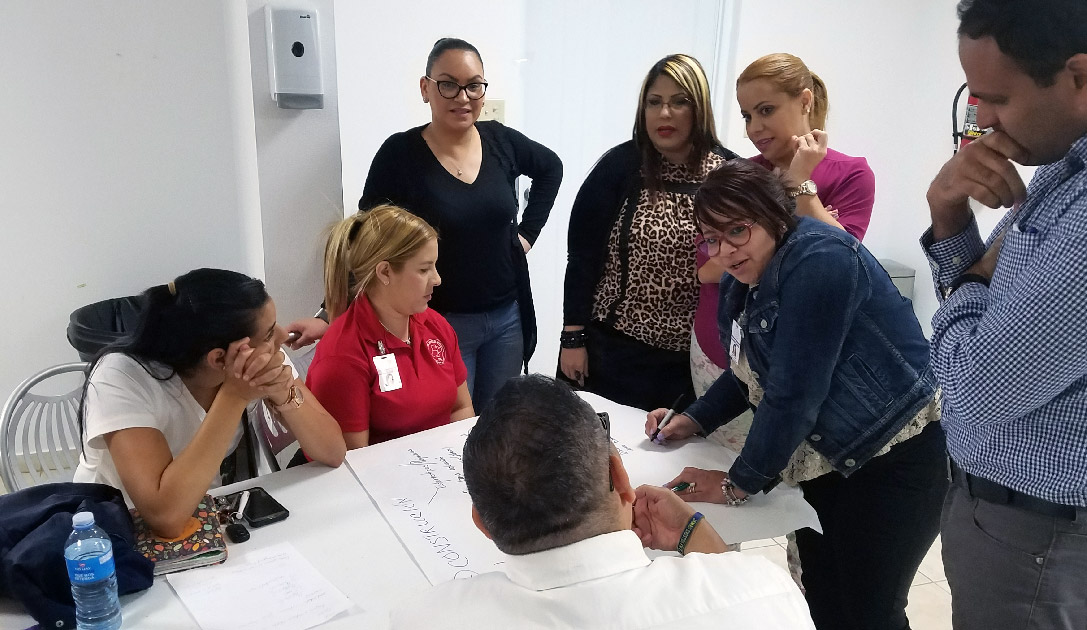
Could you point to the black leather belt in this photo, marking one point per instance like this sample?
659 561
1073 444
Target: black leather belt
981 488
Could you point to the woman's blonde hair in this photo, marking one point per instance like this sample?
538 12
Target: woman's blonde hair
359 243
789 74
691 78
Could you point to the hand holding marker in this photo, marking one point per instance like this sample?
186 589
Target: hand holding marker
667 418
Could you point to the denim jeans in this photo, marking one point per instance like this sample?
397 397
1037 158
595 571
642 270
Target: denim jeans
492 346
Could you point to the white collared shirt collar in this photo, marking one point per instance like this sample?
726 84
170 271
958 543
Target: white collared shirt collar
589 559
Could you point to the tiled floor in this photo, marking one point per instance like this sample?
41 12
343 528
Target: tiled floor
930 598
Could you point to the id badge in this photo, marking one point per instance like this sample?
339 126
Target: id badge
388 375
734 342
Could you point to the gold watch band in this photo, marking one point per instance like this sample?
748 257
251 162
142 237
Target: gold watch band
294 397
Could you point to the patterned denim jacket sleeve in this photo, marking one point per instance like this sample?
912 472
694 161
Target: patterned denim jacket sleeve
724 401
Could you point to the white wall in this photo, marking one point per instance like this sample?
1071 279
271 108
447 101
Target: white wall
123 159
298 158
144 144
382 50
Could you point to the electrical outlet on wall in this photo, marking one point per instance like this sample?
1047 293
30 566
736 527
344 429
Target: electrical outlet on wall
494 110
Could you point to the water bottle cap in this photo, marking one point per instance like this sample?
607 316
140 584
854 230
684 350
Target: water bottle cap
81 520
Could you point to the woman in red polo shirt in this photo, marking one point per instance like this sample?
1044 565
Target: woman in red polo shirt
388 366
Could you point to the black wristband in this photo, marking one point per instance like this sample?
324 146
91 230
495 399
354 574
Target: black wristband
967 277
572 339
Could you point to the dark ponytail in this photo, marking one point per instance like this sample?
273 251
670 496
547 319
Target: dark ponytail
198 312
182 321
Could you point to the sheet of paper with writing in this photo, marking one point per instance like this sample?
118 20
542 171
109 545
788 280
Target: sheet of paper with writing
268 589
417 483
776 513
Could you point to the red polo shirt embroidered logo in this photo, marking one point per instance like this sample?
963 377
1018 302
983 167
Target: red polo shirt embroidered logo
437 351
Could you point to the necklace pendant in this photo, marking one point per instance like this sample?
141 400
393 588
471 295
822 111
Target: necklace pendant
459 172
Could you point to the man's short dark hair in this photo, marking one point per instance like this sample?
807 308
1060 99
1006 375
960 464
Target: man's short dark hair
536 466
1040 35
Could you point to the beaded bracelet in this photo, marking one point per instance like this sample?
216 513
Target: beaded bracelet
686 535
729 490
572 339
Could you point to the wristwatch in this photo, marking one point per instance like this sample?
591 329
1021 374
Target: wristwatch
294 396
806 188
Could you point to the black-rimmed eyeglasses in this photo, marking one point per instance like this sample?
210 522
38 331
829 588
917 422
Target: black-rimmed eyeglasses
605 421
737 235
450 89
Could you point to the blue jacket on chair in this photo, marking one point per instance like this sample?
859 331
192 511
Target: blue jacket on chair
836 348
35 524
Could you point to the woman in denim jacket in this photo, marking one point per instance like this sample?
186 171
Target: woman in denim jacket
834 362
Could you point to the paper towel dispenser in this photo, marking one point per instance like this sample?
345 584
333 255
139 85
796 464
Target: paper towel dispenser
294 58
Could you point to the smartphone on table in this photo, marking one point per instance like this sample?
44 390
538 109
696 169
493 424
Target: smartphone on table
259 509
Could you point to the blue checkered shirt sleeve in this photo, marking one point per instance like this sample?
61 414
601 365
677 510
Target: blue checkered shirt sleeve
950 257
1011 358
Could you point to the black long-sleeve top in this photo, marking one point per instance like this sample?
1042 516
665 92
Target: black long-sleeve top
476 221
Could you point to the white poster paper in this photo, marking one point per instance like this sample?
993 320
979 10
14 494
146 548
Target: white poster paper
417 482
776 513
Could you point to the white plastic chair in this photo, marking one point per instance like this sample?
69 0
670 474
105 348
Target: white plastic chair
46 427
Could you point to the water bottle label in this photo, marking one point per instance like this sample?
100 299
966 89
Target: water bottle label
87 570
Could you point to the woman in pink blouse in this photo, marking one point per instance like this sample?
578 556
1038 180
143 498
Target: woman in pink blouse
785 107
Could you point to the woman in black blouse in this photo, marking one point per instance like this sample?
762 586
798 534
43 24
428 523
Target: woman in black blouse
631 290
460 176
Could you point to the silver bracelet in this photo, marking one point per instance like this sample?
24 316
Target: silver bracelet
728 489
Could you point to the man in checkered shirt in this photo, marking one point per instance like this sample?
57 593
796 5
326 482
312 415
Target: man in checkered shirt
1009 343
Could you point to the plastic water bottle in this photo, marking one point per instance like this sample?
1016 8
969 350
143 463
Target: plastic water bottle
89 554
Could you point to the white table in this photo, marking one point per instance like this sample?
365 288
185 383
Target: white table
333 524
336 526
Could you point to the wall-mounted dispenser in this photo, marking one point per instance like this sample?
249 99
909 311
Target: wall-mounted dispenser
294 58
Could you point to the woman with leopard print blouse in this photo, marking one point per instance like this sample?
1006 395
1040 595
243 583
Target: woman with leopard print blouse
631 290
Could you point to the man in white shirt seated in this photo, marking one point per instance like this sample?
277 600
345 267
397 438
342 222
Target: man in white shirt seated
550 490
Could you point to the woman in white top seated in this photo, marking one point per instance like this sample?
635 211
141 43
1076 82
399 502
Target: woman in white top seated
164 405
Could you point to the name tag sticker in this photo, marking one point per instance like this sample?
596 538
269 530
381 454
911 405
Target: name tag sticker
734 343
388 375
